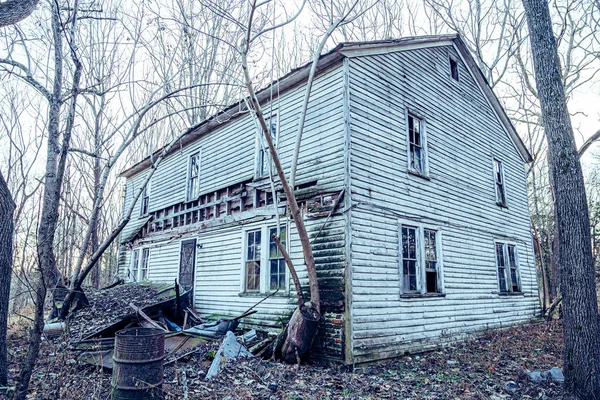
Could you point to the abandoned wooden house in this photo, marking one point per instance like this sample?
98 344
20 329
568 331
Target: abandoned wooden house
429 239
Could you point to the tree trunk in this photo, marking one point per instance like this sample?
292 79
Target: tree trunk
7 207
580 307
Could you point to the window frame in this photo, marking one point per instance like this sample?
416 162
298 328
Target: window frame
144 264
508 267
421 273
423 136
135 262
145 199
189 196
265 270
453 61
499 202
262 149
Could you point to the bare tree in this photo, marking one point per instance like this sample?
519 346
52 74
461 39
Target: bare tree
580 303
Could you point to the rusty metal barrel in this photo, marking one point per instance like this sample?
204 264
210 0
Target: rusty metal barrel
138 364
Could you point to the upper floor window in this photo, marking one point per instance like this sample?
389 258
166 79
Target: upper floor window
193 185
507 262
420 259
454 69
417 151
499 179
145 200
263 159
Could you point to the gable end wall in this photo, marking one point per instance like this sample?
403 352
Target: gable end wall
463 135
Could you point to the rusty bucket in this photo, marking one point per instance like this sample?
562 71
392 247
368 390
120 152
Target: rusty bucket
138 364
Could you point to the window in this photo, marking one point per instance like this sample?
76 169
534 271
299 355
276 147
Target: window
264 268
135 265
144 266
277 265
507 261
263 161
253 244
420 260
145 200
193 185
499 179
454 69
417 152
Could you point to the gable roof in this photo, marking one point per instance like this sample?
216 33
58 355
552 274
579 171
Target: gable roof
299 75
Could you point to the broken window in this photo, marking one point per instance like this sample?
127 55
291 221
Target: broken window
507 262
145 200
144 265
431 261
277 265
409 259
193 187
499 178
454 69
263 162
253 244
416 145
420 260
135 264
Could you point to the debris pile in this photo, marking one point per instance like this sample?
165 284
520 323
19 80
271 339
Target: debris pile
477 368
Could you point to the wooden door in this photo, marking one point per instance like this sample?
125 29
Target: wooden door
187 263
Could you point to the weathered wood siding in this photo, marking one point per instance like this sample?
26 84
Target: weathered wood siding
228 157
463 136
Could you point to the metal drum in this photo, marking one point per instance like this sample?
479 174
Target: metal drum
138 364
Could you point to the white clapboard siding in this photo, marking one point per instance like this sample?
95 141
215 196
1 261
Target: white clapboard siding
228 153
463 136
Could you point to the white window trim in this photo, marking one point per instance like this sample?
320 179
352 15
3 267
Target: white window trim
193 196
424 146
505 244
264 258
421 275
498 202
258 141
132 261
140 251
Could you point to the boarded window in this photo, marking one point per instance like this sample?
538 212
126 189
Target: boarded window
193 187
499 177
277 265
454 69
409 259
135 266
507 262
145 200
253 244
263 163
416 150
144 265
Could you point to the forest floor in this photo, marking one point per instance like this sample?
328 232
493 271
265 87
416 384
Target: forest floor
476 368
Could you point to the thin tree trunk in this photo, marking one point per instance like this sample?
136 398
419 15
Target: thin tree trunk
7 207
580 307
